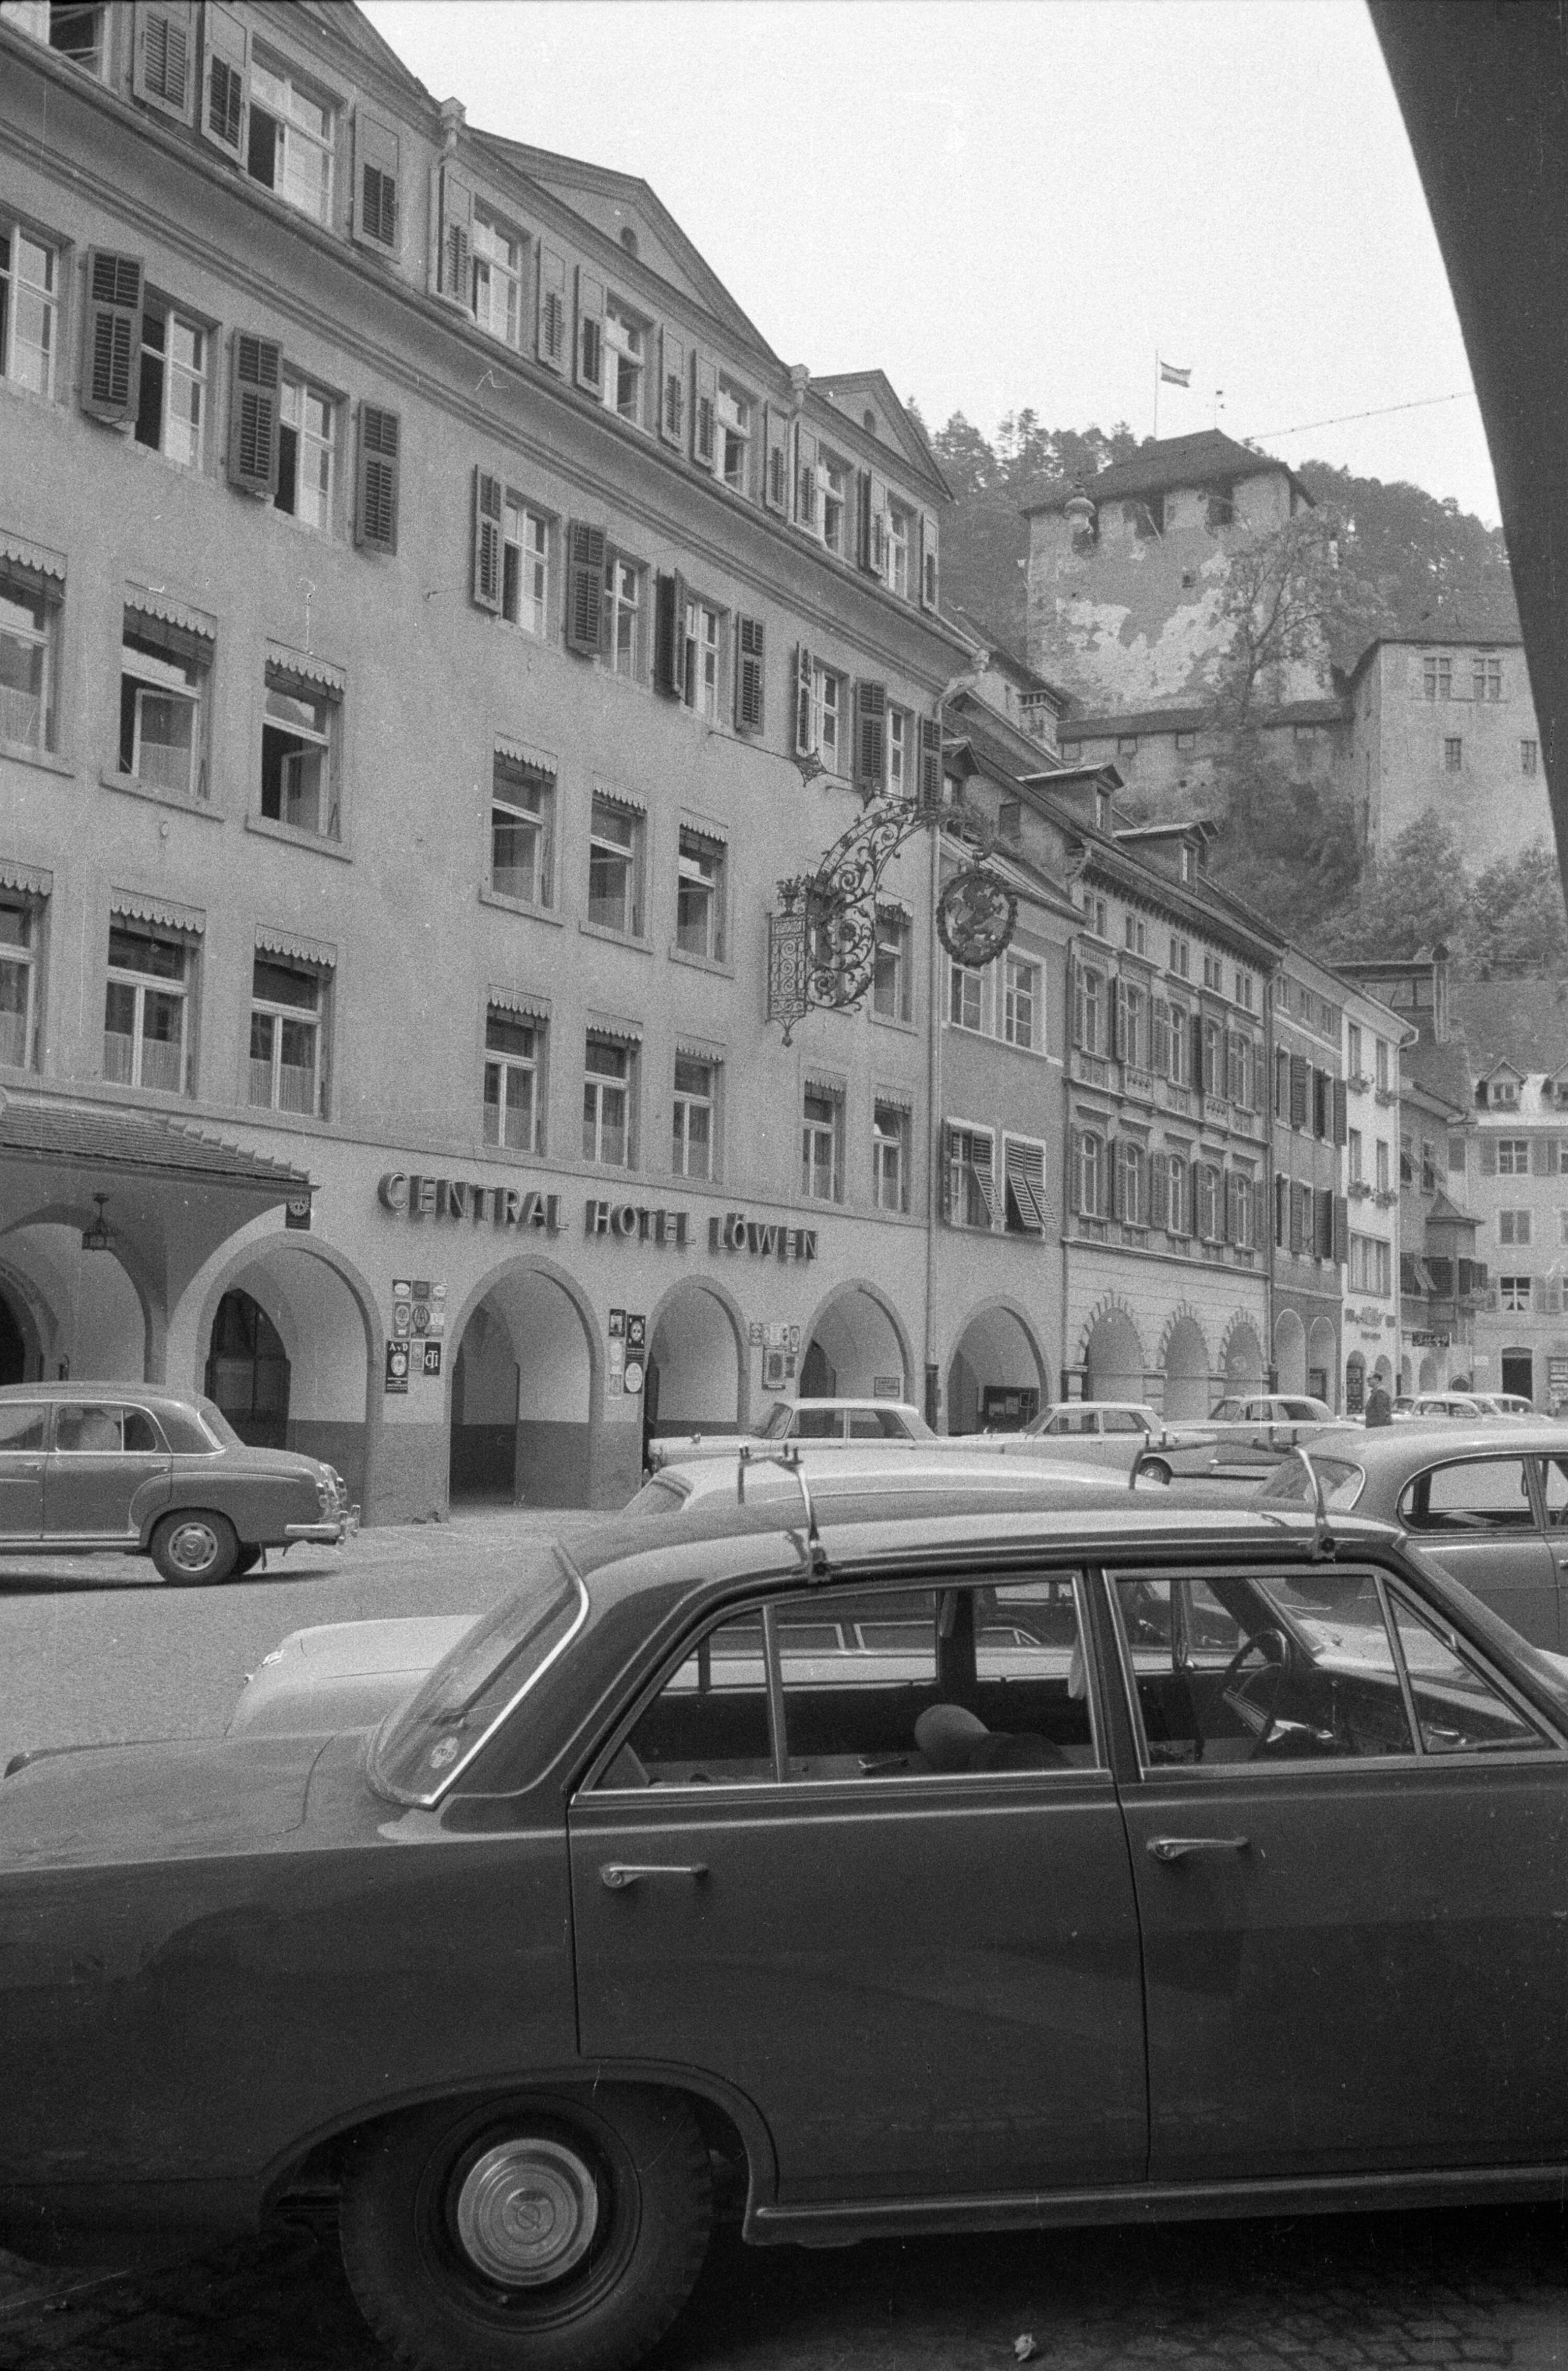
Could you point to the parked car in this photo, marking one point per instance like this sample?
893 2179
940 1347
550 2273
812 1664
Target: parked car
878 1872
1506 1403
1105 1432
1427 1407
1487 1500
134 1469
813 1420
1244 1433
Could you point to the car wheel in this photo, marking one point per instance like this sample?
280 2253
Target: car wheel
538 2233
194 1547
246 1558
1154 1469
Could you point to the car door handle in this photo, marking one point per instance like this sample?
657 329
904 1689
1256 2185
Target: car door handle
618 1874
1174 1848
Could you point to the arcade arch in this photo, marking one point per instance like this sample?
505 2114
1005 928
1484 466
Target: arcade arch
1186 1367
1242 1356
1113 1360
85 1310
995 1378
697 1373
855 1349
1290 1351
522 1390
285 1352
1323 1359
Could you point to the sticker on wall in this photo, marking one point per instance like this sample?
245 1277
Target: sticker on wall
431 1353
636 1335
618 1326
397 1367
633 1380
754 1332
402 1304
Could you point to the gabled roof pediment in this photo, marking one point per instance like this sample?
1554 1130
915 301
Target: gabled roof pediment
866 398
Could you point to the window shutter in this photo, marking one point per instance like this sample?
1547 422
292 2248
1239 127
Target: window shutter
256 370
1341 1118
803 672
1293 1199
776 483
164 60
1540 1156
863 518
111 367
669 632
749 675
585 557
1159 1047
1489 1156
1198 1043
376 494
870 737
454 251
226 72
486 572
672 388
875 559
931 763
1118 1018
377 214
805 478
1023 1167
1112 1201
928 575
1160 1189
1341 1228
1298 1090
1074 1169
704 408
552 310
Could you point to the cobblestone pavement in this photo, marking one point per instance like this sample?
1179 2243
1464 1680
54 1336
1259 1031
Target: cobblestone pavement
1487 2289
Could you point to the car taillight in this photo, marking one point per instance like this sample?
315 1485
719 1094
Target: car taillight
327 1493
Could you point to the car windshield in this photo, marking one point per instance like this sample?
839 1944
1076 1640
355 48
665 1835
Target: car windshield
1342 1483
423 1746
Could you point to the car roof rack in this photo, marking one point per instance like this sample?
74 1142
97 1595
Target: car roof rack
1322 1542
789 1459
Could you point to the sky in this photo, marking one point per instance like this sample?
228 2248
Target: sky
1018 204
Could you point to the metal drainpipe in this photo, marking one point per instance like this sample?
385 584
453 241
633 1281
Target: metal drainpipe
933 1098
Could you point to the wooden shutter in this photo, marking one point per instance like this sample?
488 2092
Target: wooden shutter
1075 1168
1293 1201
805 478
870 737
487 569
377 217
1196 1079
455 250
862 517
1023 1168
1342 1113
111 365
376 491
1111 1198
1489 1156
803 675
749 681
225 69
1338 1231
588 352
669 636
586 553
776 476
1298 1090
672 388
704 408
875 559
552 310
162 69
256 371
931 763
1159 1038
985 1177
929 581
1540 1156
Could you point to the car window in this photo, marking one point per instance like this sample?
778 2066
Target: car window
874 1684
818 1423
876 1424
1121 1420
1074 1420
1554 1482
1229 1412
218 1425
1488 1494
183 1432
1299 1411
657 1497
22 1425
86 1429
1458 1708
1291 1482
141 1434
1266 1667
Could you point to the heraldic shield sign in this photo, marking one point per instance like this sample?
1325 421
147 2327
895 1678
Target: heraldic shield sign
976 916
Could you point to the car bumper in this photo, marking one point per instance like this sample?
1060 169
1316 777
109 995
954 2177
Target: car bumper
333 1535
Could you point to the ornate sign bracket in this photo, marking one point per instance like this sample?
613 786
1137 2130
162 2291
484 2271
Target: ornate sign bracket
821 945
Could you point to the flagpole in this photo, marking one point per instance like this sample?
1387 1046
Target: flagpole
1157 395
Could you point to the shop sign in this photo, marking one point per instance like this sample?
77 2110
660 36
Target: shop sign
631 1222
1429 1341
297 1210
1557 1374
735 1232
413 1196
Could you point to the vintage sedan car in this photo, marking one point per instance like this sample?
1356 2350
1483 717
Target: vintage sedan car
138 1470
1106 1432
1247 1433
819 1421
1487 1500
861 1871
1506 1403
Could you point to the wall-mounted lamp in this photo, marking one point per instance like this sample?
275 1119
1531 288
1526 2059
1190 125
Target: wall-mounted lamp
96 1238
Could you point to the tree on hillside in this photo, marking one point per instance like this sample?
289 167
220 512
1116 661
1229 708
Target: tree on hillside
985 543
1427 558
1288 841
1288 596
1418 895
1515 923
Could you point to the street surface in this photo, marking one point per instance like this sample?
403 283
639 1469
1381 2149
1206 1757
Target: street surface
95 1649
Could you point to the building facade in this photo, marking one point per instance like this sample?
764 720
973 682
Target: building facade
1516 1182
1369 1326
1310 1212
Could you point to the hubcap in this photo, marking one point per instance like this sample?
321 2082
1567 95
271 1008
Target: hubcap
192 1547
527 2212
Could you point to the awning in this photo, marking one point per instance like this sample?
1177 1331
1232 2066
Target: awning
137 906
523 753
694 1049
321 953
306 667
899 1097
31 880
101 1137
517 1000
818 1082
148 604
36 556
619 798
622 1033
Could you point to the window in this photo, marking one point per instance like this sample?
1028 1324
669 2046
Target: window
1213 1058
1132 1182
821 719
702 668
1135 934
1384 1156
1023 1015
30 624
1239 1198
511 1080
1353 1050
498 263
1515 1292
737 416
1090 1181
1382 1065
607 1102
1407 1164
1176 1215
17 983
1487 678
1186 741
1456 1153
890 976
172 409
77 30
615 867
1436 677
1453 755
162 675
1354 1156
821 1114
833 476
1513 1156
700 895
29 298
286 1003
1371 1264
524 568
626 358
966 997
970 1181
898 535
145 1009
306 437
1207 1182
1132 1023
1214 974
1457 1710
622 644
1095 914
523 799
299 784
290 140
692 1154
1089 1010
1182 959
1529 757
890 1157
1244 988
1512 1226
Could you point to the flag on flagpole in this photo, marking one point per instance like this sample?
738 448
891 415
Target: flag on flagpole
1171 377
